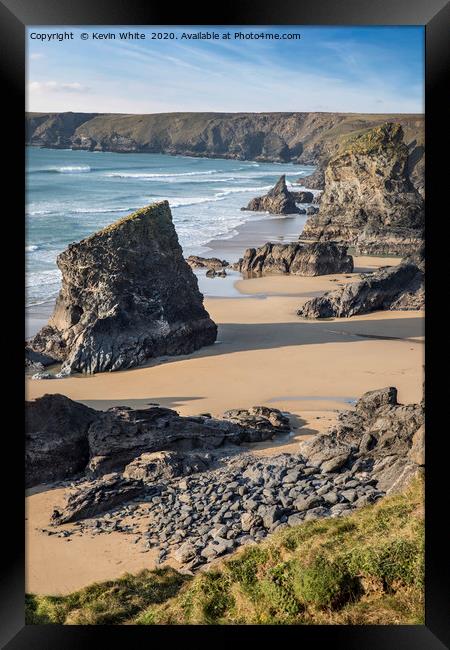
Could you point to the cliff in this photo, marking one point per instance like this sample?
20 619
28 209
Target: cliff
127 295
307 138
369 200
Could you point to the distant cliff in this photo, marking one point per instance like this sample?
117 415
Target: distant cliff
270 137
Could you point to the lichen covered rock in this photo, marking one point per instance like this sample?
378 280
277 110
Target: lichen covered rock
369 200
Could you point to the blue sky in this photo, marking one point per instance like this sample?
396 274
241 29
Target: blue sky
342 69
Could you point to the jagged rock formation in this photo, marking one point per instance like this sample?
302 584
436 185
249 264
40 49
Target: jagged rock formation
399 287
127 295
150 467
319 258
121 434
373 450
211 263
65 438
278 200
56 439
309 138
380 437
369 200
99 496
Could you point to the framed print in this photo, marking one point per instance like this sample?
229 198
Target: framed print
230 322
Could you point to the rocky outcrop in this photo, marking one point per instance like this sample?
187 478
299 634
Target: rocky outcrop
65 438
315 181
394 287
319 258
307 138
151 467
380 437
211 263
278 200
127 296
369 201
121 434
56 439
96 497
236 499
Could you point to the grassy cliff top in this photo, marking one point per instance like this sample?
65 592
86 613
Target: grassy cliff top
367 568
374 140
157 211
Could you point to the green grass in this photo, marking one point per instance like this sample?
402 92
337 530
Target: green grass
363 569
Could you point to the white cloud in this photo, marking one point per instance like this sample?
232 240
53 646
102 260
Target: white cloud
56 86
37 55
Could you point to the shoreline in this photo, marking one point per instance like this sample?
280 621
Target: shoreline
256 231
265 355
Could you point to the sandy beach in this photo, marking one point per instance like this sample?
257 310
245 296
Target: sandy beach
264 355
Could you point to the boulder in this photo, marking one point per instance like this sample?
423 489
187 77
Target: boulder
369 201
127 295
149 467
198 262
394 287
56 439
92 498
279 200
319 258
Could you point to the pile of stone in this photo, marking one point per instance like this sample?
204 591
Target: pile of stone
198 505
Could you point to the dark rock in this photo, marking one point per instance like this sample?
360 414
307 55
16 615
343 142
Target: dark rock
121 434
279 200
97 497
198 262
319 258
369 201
127 295
395 288
260 422
56 439
303 197
150 467
36 360
394 429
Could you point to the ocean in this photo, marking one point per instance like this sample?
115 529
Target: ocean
71 194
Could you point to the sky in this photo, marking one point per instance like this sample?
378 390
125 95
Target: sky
336 69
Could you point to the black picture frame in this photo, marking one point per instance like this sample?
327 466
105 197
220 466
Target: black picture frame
15 15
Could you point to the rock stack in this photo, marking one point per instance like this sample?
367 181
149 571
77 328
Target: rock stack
127 296
369 201
279 200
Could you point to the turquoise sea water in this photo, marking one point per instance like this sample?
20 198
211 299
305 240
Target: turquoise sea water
71 194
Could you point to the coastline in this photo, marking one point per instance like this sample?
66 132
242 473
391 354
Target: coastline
265 355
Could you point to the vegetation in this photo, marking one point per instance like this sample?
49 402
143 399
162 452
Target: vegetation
374 140
367 568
